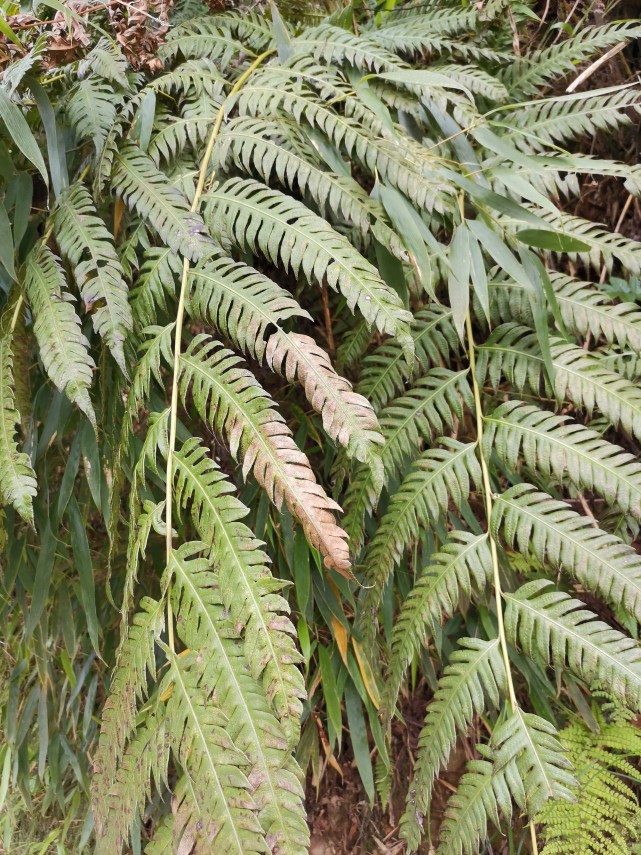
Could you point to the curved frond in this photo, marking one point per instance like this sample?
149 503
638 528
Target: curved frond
231 400
285 231
462 564
87 245
137 180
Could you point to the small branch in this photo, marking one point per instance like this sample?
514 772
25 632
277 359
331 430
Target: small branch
589 71
328 323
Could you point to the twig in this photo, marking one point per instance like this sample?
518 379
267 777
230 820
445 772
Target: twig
328 323
589 71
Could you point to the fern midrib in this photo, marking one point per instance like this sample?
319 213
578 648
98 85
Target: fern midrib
286 482
238 692
596 555
209 757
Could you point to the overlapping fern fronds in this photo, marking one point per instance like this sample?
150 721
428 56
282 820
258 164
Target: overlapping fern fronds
279 201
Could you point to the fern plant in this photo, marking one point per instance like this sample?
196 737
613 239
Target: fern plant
273 175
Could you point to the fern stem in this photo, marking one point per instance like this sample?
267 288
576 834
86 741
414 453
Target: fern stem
180 317
487 490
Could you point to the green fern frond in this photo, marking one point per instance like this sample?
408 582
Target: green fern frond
247 587
583 310
553 628
259 146
107 61
554 121
528 74
553 446
532 744
606 817
463 564
483 794
273 775
440 475
286 232
533 521
333 46
414 34
18 484
92 110
137 180
385 371
475 674
243 304
87 245
514 351
424 411
229 398
129 684
63 347
155 286
202 38
145 759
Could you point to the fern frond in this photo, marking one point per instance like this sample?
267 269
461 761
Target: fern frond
474 79
219 809
334 46
553 446
285 231
583 309
554 121
129 684
87 245
514 351
92 110
553 628
532 744
231 400
252 29
155 286
475 674
385 371
106 60
256 146
440 475
274 777
145 759
531 520
243 304
347 416
483 794
463 564
416 33
528 74
202 38
247 587
63 347
424 411
18 484
137 180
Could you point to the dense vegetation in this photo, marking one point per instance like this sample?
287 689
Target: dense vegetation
220 557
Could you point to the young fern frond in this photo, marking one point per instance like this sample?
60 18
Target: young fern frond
532 521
